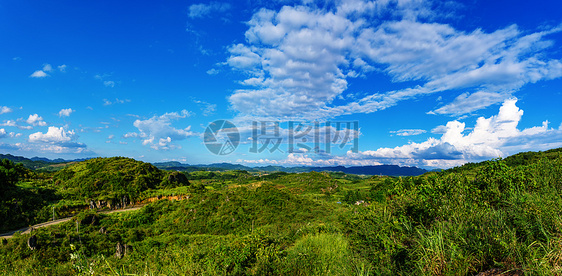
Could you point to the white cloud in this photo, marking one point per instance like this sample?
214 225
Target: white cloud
11 147
65 112
35 120
466 103
5 109
131 135
39 74
4 134
47 68
491 138
408 132
104 80
212 71
204 10
439 130
496 136
159 133
57 140
53 135
206 108
11 123
107 102
297 60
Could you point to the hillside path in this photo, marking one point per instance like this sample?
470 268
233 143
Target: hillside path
26 230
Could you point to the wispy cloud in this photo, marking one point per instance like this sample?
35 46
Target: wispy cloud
204 10
5 109
212 71
207 108
105 81
107 102
297 60
109 83
408 132
158 132
10 123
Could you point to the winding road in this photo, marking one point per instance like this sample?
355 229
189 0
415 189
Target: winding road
55 222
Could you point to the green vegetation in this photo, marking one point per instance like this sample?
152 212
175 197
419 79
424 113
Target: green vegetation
503 215
113 178
20 202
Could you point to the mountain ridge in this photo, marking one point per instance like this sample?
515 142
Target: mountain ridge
391 170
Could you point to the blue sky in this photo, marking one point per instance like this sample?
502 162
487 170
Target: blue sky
432 84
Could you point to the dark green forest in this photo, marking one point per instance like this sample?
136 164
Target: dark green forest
494 217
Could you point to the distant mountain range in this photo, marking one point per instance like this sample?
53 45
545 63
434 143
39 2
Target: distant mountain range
392 170
36 162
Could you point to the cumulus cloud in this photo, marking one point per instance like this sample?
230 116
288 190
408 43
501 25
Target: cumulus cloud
57 140
4 134
46 68
204 10
298 59
5 109
65 112
158 132
38 74
496 136
35 120
53 135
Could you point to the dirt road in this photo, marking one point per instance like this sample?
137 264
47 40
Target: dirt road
54 222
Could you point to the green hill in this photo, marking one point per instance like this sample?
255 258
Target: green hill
498 217
113 178
519 159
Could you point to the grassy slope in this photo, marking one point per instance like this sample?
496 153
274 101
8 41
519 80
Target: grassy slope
38 195
502 214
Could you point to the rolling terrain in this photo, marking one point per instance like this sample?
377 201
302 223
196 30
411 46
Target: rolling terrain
493 217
